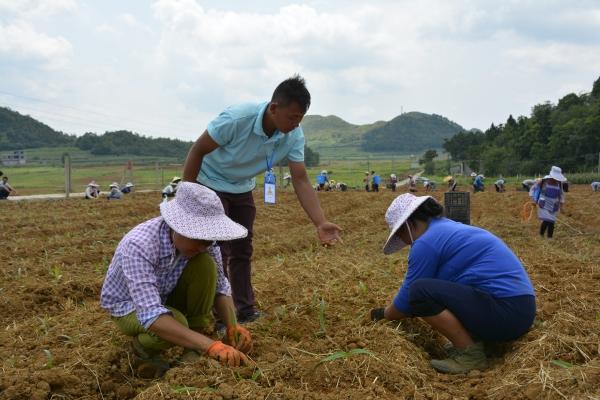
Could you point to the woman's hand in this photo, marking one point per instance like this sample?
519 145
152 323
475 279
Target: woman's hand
239 337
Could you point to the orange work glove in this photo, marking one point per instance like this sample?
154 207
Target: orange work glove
226 354
239 337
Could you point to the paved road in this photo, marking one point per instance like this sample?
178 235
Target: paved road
58 196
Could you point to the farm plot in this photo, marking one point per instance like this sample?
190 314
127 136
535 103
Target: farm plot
56 342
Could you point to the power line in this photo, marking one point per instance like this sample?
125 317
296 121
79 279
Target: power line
149 125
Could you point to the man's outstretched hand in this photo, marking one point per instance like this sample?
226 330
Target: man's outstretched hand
329 233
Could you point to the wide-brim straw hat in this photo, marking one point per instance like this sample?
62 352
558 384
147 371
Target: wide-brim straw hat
556 173
93 184
448 178
114 184
397 213
473 174
176 179
129 184
197 213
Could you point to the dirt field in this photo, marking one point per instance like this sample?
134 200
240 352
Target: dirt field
56 343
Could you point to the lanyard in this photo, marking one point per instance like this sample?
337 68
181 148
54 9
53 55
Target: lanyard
270 160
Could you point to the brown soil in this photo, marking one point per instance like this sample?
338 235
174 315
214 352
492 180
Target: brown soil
56 342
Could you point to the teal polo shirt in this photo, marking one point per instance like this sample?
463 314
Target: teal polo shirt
244 148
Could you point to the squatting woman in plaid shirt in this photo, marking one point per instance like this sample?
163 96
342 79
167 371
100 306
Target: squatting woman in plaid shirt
166 276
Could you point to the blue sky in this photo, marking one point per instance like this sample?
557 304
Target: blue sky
167 67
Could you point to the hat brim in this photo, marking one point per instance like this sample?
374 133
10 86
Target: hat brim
393 242
558 177
199 227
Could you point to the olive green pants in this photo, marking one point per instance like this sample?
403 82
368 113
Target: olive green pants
191 303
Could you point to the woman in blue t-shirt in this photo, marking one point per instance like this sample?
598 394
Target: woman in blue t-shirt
462 280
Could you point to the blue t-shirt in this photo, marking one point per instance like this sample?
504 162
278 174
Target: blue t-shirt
244 149
478 181
465 254
376 179
321 179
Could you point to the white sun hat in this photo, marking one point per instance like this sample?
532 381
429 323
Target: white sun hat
114 184
129 184
397 213
197 213
556 173
93 184
473 174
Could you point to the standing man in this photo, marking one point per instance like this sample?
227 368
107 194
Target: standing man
245 141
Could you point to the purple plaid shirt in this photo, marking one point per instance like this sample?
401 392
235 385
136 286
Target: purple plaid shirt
145 269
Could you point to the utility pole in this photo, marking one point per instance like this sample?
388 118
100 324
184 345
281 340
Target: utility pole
67 161
599 162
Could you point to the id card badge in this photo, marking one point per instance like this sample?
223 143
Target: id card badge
270 187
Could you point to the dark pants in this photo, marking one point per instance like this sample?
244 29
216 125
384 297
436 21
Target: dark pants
484 316
4 194
376 187
547 225
237 253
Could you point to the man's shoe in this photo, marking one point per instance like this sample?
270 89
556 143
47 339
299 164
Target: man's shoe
246 319
462 360
147 364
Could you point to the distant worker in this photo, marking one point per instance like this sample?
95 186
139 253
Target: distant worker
367 181
321 180
6 189
393 182
451 183
92 191
478 185
595 186
549 196
430 185
376 180
287 178
412 184
171 188
341 186
527 184
499 184
115 192
127 188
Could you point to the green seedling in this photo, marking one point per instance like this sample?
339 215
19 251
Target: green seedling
49 359
363 287
184 389
233 322
347 354
598 316
56 273
323 329
102 267
561 363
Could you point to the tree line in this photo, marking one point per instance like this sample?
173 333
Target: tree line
565 134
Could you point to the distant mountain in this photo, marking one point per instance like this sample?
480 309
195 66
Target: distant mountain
19 131
333 131
410 132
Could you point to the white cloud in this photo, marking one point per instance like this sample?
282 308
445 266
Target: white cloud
37 7
179 62
22 41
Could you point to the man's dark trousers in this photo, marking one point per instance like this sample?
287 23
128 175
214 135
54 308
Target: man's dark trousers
237 253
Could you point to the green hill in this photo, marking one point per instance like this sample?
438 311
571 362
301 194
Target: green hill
19 131
332 130
410 132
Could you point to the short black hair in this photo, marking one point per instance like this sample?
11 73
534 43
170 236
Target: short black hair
292 90
429 209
